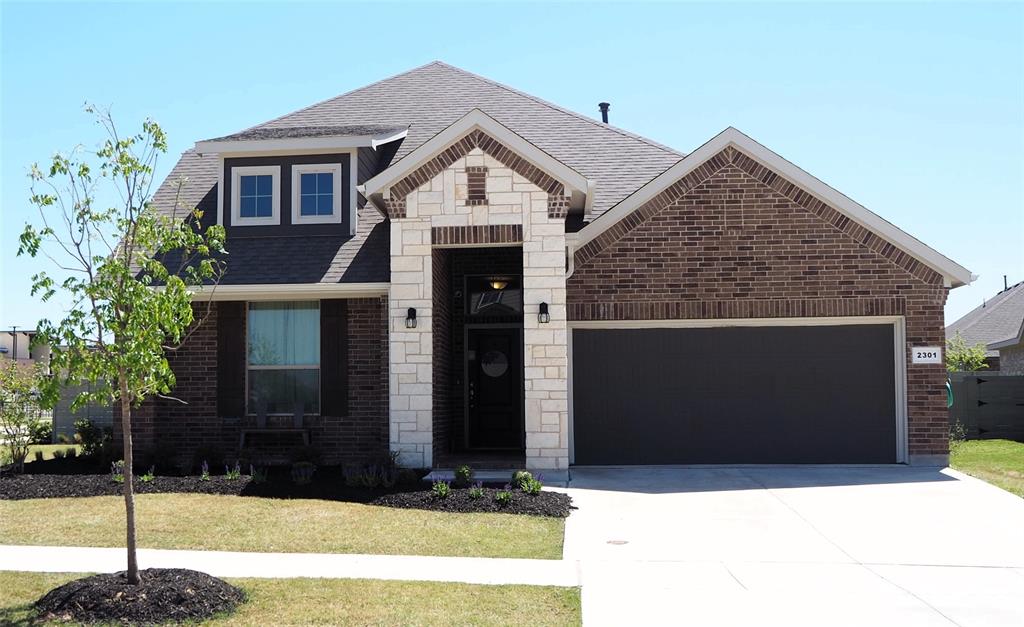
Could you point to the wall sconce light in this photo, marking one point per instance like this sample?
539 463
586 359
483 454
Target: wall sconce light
543 316
410 318
498 284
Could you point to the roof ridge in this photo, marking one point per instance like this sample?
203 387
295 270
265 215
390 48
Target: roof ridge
987 306
342 95
551 105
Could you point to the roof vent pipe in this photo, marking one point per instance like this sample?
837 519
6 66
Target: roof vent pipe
603 106
1005 285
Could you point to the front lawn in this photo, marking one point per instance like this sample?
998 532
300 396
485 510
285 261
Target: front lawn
234 523
48 449
1000 462
348 602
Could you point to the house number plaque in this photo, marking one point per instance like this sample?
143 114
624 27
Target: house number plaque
926 355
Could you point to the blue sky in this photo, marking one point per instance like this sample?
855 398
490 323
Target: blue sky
914 110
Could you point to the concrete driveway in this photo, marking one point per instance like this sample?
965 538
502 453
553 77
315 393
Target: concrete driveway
795 546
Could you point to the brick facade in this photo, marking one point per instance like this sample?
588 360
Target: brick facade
184 427
735 240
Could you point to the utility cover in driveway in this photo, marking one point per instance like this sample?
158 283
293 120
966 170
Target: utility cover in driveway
734 395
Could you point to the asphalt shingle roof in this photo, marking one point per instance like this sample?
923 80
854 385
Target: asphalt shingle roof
288 132
998 319
430 98
425 100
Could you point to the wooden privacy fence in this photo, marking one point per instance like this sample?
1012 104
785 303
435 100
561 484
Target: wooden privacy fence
988 405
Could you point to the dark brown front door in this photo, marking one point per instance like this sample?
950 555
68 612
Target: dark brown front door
493 390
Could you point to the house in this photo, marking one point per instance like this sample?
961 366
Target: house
998 324
447 268
17 345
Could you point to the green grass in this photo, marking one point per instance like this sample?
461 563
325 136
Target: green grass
235 523
1000 462
347 602
48 450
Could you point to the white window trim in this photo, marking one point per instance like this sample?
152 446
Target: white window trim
309 168
239 171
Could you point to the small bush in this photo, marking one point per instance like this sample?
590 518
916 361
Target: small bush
520 478
38 456
532 486
477 491
257 475
957 436
234 473
58 453
91 436
149 475
117 471
204 471
71 452
408 477
463 476
41 431
381 473
441 488
302 472
504 497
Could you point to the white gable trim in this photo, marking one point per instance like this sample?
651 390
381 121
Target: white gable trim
954 274
478 120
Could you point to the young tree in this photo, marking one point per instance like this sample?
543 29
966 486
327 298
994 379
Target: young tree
963 358
19 408
130 269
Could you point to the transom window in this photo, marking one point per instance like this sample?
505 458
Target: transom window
283 349
255 195
316 193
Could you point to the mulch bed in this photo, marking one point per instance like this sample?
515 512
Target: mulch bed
163 595
328 484
554 504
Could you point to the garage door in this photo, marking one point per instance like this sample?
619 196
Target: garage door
734 395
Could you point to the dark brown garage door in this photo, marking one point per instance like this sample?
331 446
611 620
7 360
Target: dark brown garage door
739 395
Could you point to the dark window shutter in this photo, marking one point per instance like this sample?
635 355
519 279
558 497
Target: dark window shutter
334 357
231 359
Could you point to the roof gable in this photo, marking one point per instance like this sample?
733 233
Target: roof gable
954 274
996 323
431 98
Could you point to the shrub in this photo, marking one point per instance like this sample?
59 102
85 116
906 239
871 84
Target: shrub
477 491
149 475
383 472
520 478
957 436
408 477
39 456
71 452
503 497
231 474
463 476
257 475
40 431
91 436
204 471
117 471
532 486
302 472
441 488
58 453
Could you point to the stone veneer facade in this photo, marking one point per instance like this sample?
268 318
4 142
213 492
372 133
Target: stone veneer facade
433 205
1011 360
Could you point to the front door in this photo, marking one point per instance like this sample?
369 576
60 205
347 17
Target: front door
494 388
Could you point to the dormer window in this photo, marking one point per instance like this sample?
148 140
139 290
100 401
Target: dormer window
256 194
316 193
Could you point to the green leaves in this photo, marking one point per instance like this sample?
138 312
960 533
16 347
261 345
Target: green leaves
961 357
131 270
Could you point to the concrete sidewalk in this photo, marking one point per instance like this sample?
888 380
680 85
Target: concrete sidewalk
478 570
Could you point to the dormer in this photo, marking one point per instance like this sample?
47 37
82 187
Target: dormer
296 181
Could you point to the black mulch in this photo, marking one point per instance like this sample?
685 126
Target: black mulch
17 487
554 504
164 595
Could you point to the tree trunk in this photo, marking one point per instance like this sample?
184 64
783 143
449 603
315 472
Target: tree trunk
129 477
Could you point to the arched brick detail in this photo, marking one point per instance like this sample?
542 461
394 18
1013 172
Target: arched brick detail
395 205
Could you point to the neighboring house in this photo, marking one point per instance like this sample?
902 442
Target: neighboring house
447 268
15 344
64 418
998 324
